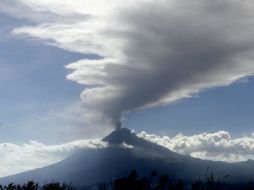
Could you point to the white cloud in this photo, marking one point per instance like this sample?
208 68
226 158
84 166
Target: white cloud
18 158
218 146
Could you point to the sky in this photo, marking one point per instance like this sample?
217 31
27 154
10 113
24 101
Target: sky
178 73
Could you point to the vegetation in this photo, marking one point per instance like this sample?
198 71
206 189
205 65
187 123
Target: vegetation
163 182
31 185
132 182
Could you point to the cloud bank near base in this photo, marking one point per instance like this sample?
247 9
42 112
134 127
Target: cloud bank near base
213 146
152 52
20 158
218 146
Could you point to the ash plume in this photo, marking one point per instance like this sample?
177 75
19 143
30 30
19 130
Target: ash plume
152 52
173 49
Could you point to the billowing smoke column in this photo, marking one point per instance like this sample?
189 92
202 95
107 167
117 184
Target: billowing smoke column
170 50
152 52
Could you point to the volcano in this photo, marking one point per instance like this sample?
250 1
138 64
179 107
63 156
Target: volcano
126 151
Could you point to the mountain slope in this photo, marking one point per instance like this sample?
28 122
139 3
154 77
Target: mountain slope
91 166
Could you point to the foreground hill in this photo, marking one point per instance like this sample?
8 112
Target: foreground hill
125 152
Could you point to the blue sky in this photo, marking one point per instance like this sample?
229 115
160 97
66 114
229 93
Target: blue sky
71 71
229 108
32 82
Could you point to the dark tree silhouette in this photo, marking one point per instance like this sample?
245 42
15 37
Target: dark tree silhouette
154 182
132 182
31 185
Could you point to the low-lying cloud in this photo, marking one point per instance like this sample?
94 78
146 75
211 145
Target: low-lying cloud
19 158
219 146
